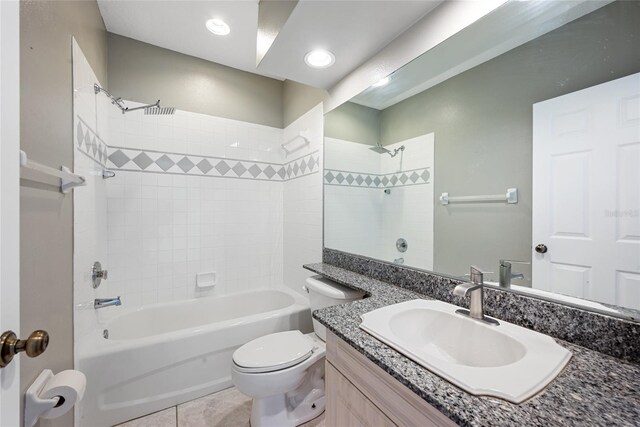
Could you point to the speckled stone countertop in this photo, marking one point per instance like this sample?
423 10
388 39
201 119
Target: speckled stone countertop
593 390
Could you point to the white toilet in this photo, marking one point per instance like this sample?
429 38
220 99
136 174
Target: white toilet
284 372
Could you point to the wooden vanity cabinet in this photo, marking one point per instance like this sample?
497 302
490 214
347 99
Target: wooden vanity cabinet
360 393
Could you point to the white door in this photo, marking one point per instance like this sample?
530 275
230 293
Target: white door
9 204
586 193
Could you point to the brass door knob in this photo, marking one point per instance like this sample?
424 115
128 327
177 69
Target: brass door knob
33 346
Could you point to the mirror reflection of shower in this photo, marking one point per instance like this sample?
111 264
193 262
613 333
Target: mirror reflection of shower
378 148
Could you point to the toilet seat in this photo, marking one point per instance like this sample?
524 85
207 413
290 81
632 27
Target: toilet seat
273 352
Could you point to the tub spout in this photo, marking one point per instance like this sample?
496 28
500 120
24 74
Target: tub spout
106 302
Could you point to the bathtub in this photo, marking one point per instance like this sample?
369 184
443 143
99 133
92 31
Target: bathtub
162 355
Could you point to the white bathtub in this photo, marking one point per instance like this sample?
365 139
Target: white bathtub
163 355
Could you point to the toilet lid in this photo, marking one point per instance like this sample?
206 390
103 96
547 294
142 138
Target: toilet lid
273 352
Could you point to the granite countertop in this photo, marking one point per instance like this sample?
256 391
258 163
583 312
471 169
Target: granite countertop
594 389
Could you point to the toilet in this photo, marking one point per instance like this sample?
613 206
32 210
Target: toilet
284 372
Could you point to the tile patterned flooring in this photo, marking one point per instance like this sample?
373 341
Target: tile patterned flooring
227 408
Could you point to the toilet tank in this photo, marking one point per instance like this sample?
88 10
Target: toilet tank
322 293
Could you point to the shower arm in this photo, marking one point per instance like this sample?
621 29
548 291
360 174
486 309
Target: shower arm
119 103
395 152
127 109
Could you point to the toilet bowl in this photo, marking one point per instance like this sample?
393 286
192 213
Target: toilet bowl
284 372
287 393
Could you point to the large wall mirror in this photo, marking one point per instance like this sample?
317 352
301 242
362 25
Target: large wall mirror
514 146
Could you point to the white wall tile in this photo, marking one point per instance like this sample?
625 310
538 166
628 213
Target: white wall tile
199 224
90 201
302 200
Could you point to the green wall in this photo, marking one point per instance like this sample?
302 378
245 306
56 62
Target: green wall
142 72
46 134
482 120
297 99
353 122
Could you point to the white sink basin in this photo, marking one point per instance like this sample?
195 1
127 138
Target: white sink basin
505 360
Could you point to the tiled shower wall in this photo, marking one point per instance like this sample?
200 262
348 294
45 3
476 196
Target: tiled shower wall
303 204
90 201
208 197
351 214
178 206
192 194
362 219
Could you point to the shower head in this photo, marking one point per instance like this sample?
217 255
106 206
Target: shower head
381 150
157 110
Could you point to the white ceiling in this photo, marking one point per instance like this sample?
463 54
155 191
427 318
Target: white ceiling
354 30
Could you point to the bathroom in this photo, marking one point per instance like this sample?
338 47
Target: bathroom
283 213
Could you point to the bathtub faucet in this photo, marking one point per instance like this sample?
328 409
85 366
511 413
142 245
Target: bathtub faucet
106 302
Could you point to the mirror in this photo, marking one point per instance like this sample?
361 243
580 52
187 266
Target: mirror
513 145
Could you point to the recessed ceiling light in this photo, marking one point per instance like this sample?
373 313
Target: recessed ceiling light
319 58
218 27
381 82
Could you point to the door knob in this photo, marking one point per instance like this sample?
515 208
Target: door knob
541 248
33 346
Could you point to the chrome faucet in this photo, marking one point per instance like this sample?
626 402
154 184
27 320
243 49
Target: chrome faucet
106 302
474 289
505 272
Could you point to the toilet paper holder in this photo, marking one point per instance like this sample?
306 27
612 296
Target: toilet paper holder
34 405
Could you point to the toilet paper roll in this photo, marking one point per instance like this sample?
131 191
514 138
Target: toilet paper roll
69 386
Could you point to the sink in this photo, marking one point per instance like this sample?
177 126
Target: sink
440 335
504 360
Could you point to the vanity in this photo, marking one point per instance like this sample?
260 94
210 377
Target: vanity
371 384
359 392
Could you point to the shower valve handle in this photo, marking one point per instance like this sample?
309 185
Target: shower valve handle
98 274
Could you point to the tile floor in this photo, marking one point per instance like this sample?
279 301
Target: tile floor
227 408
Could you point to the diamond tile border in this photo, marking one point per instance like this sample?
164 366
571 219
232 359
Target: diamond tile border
137 160
370 180
302 166
89 143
